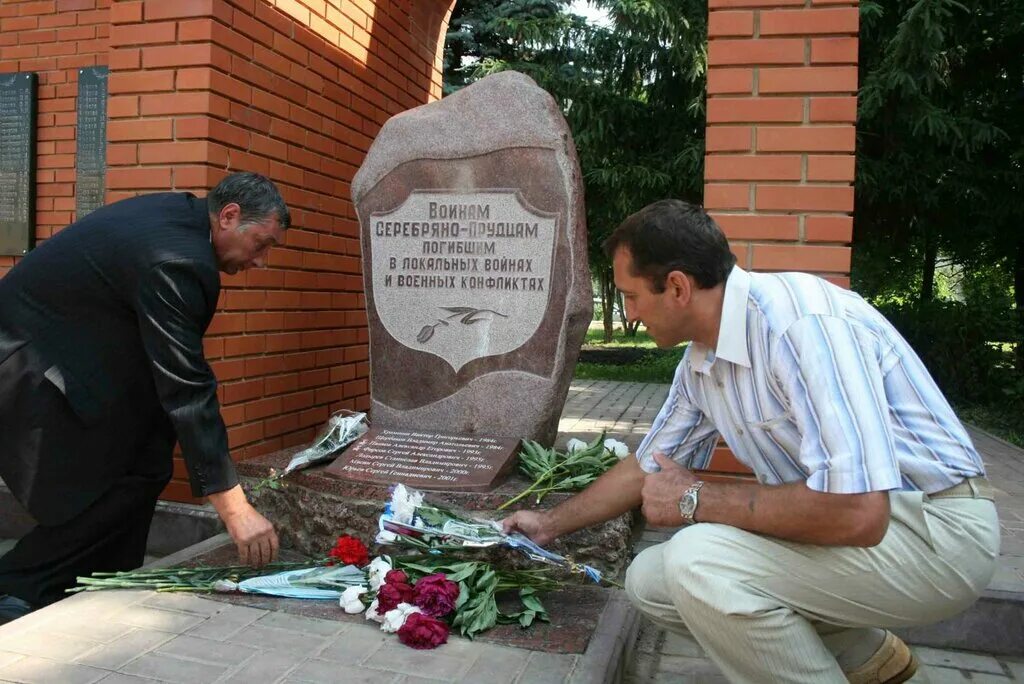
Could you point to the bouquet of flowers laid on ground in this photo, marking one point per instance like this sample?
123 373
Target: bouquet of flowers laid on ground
410 520
342 428
421 598
554 471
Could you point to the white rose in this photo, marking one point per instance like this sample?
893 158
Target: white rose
394 619
616 447
574 445
404 504
379 567
372 614
350 600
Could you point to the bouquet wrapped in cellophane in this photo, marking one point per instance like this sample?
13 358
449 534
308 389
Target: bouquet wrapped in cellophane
411 520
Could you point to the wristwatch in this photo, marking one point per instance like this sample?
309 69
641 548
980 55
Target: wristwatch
688 502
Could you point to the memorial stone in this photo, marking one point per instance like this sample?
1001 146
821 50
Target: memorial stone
475 267
91 134
17 162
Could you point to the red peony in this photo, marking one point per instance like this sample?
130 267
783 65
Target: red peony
350 551
423 631
391 594
436 595
396 576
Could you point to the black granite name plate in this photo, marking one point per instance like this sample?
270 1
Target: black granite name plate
17 162
91 134
427 460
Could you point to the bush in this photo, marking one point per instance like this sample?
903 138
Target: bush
958 344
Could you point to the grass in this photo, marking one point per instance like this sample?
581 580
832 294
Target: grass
656 366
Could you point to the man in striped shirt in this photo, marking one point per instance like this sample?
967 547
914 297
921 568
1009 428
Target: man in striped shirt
870 510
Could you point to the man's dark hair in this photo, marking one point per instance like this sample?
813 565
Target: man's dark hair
257 196
672 235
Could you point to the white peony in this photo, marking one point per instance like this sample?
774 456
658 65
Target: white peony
404 504
350 600
379 567
616 447
574 445
394 619
372 614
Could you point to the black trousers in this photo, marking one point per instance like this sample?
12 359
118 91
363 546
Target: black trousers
127 460
109 535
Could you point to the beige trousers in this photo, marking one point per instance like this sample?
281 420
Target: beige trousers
768 610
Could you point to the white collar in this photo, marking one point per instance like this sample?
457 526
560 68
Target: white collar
732 330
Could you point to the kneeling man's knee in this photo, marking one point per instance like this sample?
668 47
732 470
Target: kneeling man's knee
645 572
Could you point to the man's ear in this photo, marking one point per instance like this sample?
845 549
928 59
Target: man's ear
230 216
680 287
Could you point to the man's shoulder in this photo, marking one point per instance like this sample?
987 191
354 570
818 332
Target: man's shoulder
783 299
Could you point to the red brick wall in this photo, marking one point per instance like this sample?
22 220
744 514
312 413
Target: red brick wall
293 89
54 38
779 164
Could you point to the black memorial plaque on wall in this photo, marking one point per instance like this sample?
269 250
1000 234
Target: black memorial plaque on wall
17 162
91 134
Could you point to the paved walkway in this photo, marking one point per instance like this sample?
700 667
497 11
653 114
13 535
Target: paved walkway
142 637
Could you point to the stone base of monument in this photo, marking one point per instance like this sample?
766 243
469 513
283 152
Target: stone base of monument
313 509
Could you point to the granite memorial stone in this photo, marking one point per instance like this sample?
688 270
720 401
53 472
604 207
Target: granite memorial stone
474 263
17 162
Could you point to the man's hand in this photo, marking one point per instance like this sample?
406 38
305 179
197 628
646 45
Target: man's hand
252 533
534 524
662 490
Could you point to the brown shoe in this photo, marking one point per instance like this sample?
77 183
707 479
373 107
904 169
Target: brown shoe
892 663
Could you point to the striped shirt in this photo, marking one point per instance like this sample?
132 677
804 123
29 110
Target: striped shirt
810 383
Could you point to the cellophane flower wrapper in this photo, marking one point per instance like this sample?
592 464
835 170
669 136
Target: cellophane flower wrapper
410 515
323 583
342 428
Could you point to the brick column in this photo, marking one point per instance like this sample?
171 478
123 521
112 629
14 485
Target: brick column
779 164
781 107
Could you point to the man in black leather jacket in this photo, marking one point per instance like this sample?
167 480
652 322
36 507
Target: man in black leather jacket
102 369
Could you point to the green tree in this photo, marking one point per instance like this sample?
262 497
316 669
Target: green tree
633 96
940 147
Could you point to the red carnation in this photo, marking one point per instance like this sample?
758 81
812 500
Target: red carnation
423 631
391 594
350 551
436 595
396 576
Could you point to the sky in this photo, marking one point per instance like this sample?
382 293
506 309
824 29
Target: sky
592 14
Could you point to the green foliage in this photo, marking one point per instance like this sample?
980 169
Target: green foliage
940 144
954 342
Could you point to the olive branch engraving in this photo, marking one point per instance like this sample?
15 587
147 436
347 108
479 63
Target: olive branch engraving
467 315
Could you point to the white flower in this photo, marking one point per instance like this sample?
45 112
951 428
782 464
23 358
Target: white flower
616 447
574 445
404 504
224 586
379 567
372 614
350 600
394 619
386 537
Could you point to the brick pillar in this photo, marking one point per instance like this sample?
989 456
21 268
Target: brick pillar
779 164
781 107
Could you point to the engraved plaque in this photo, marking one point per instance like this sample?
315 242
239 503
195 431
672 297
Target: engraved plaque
447 267
17 162
91 134
427 460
